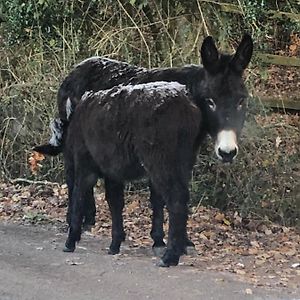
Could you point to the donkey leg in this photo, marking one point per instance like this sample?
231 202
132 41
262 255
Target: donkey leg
69 170
75 221
178 214
114 194
84 181
157 232
89 210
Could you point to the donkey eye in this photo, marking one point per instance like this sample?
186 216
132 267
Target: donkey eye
240 103
211 103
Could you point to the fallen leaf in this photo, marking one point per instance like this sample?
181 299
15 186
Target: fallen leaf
278 141
34 159
291 252
254 244
240 272
219 217
226 222
248 292
285 229
260 262
253 251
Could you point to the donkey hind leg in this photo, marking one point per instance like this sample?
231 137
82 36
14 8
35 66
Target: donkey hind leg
177 197
114 194
84 182
69 170
89 210
157 232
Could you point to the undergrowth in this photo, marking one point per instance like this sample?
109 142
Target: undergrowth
38 49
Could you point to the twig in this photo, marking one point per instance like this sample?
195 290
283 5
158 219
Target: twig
140 32
202 17
24 180
198 205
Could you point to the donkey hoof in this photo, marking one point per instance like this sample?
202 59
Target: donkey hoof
113 251
189 243
87 227
191 251
166 264
162 264
68 249
158 251
169 259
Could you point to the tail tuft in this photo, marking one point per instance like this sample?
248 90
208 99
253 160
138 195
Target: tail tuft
48 149
55 145
57 128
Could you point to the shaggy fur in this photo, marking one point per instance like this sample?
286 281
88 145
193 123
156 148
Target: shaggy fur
217 89
123 134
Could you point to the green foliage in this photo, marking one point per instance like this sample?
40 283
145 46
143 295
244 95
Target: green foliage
261 17
42 39
44 18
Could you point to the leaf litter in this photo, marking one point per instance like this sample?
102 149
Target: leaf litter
264 254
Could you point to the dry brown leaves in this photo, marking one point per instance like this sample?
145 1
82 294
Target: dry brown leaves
277 82
259 253
33 203
294 47
34 161
287 129
264 254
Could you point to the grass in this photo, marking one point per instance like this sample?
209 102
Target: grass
264 181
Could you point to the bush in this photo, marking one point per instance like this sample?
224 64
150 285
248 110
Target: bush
41 40
264 179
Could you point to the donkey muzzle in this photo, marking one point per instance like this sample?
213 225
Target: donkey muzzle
226 147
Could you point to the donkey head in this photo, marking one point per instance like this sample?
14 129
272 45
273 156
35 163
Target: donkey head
222 95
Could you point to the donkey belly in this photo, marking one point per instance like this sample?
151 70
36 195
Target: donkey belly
118 164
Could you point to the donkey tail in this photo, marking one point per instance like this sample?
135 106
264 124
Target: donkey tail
55 145
48 149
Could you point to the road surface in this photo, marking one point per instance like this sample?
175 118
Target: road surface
33 267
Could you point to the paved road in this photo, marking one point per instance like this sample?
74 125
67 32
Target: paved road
33 267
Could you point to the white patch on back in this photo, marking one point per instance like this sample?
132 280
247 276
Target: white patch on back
103 60
57 132
90 59
226 142
163 88
69 109
86 95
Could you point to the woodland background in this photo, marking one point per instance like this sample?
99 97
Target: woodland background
40 41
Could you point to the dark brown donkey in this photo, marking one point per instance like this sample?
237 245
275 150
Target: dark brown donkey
127 132
217 89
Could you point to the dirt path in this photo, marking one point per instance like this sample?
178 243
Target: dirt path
32 266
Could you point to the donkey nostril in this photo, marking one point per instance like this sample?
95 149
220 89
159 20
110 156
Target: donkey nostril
227 156
233 153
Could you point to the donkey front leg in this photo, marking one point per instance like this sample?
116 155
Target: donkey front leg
178 214
157 232
114 194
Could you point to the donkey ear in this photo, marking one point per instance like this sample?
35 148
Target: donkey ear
243 54
209 55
